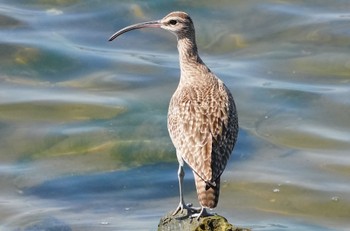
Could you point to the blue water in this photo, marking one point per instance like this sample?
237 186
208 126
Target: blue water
83 137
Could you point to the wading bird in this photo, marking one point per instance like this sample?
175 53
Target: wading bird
202 117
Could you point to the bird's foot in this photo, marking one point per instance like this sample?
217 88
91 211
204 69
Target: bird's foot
202 213
182 206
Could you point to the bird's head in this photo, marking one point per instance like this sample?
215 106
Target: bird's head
179 23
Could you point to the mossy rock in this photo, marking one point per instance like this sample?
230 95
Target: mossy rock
183 221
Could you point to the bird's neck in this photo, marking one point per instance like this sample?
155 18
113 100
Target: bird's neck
188 53
190 62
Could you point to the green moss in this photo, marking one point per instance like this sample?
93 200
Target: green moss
183 221
217 223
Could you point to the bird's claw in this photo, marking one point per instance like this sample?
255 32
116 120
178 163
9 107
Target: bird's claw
201 213
178 209
188 207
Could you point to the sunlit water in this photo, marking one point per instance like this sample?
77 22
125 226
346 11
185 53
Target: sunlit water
83 137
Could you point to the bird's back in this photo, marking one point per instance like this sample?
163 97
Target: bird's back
203 125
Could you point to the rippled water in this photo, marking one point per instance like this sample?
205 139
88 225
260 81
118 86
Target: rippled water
83 137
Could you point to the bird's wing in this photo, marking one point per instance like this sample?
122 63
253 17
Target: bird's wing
224 127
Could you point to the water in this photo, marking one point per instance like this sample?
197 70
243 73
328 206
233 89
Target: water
83 137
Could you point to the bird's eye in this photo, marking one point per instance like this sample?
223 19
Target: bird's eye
172 22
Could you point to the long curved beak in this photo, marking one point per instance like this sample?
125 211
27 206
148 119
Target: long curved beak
151 24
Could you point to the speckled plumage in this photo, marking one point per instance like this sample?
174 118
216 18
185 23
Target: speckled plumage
202 117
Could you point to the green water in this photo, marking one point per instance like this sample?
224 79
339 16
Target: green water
83 132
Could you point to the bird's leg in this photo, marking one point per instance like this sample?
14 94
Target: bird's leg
182 205
180 174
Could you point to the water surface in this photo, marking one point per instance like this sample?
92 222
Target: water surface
83 137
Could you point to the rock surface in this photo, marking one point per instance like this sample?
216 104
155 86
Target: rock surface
183 221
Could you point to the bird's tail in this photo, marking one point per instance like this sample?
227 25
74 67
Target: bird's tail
208 193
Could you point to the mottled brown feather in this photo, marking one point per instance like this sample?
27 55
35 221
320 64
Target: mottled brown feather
208 195
201 122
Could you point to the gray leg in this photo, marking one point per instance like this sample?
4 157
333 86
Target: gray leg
180 174
182 205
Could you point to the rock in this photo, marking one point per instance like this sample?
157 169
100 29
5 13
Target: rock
183 221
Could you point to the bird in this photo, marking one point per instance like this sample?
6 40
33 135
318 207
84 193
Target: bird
202 116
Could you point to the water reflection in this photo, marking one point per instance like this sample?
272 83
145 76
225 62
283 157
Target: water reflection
119 189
